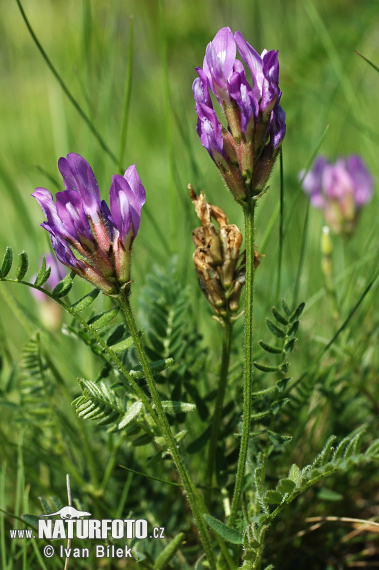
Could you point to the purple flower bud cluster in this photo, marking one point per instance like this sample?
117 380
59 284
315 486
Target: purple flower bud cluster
339 189
246 151
88 237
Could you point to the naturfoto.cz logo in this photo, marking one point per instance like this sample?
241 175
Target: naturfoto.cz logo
71 525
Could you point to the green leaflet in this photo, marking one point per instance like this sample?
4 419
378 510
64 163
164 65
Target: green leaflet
23 265
173 408
64 286
85 301
103 319
227 533
168 552
7 262
43 274
131 414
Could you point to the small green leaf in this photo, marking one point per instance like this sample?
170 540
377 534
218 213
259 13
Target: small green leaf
155 367
43 274
173 408
278 405
131 414
295 475
229 534
286 486
64 286
31 520
85 301
325 453
123 344
273 497
168 552
22 267
284 367
260 415
277 438
100 321
286 308
297 312
144 440
354 446
275 330
283 383
265 367
269 348
7 262
288 347
293 329
326 494
341 448
373 449
279 317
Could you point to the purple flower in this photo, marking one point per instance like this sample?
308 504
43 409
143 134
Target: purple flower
256 122
90 239
339 189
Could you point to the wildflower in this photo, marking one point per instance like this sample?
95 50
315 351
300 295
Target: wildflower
245 152
218 262
339 189
92 240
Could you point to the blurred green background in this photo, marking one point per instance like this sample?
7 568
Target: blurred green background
325 86
331 98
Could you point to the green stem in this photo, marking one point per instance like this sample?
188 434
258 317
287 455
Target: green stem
248 358
216 423
191 491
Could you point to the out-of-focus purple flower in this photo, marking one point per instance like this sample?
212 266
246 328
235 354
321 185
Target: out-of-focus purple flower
87 237
339 189
256 122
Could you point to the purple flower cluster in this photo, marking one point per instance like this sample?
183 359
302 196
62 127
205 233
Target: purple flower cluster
246 151
88 237
339 189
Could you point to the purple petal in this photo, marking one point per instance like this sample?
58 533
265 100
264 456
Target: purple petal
62 251
78 175
336 181
218 63
200 89
119 195
137 197
312 183
362 179
270 86
210 132
254 62
277 127
70 211
45 200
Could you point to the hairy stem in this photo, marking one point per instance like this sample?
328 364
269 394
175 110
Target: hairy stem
191 491
216 423
248 357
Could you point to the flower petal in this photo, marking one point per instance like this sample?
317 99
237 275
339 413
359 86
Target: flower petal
78 175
